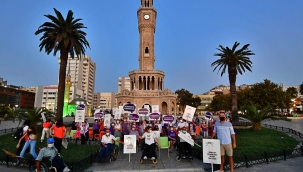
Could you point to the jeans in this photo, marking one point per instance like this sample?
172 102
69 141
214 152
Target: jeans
45 130
150 150
58 144
32 144
105 150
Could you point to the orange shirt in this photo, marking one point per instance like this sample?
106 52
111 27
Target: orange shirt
101 124
59 131
46 124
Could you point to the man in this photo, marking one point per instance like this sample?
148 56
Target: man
106 144
184 145
51 152
226 135
182 124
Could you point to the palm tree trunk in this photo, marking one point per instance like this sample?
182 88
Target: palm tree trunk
61 85
233 93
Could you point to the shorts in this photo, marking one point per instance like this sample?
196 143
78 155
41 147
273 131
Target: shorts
226 148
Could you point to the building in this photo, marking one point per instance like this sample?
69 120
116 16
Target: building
82 71
46 96
29 89
2 82
14 97
104 100
123 84
146 83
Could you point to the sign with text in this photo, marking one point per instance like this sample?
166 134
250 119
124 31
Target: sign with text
80 113
168 118
154 116
208 115
211 151
107 118
155 109
130 144
129 107
142 111
133 117
118 114
189 113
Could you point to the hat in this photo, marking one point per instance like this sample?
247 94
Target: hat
50 140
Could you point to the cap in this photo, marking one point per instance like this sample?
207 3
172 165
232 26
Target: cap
50 140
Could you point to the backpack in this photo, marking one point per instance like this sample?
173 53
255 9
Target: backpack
19 133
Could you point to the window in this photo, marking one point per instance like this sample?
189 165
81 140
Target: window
146 50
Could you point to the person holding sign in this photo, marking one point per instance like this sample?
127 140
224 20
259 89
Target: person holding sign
107 144
184 145
150 143
225 133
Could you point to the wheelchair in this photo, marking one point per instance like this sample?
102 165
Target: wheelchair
186 155
113 154
45 165
148 154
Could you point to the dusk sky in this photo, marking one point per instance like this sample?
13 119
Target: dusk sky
187 35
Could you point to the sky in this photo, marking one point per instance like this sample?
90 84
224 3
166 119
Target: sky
187 35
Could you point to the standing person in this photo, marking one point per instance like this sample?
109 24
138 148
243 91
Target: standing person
59 132
204 127
25 127
192 130
31 142
46 126
125 128
83 131
95 128
118 129
225 133
150 143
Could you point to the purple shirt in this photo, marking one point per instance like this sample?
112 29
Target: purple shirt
96 126
172 134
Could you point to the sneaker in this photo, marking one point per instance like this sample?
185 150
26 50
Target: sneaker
152 158
145 157
66 169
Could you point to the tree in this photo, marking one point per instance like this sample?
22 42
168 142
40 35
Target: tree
34 115
292 91
186 98
236 61
220 102
66 36
256 117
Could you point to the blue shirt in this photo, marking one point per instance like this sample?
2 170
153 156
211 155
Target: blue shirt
224 132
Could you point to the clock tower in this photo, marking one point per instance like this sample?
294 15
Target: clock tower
147 25
146 83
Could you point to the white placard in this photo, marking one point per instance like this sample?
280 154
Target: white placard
155 109
118 114
157 134
186 138
43 117
211 151
120 107
130 144
80 113
147 107
189 113
107 118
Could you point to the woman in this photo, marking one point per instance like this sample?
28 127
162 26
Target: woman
46 126
150 143
83 132
58 131
95 128
172 137
118 129
32 141
25 126
125 128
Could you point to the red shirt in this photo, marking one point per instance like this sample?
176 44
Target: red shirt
46 124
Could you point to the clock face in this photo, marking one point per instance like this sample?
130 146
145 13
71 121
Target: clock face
146 16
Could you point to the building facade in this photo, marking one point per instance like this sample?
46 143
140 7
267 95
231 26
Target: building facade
14 97
123 83
46 97
82 71
146 83
104 100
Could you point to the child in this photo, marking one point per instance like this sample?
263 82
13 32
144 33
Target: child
77 134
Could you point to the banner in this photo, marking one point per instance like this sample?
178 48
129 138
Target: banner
80 113
189 113
118 114
211 151
107 118
130 144
168 118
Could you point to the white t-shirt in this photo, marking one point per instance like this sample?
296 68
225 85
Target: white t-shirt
108 139
25 128
149 138
181 125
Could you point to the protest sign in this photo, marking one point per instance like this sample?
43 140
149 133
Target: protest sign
211 151
107 118
189 113
154 116
80 113
133 117
168 118
118 114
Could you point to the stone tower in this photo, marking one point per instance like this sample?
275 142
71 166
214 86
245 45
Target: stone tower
147 84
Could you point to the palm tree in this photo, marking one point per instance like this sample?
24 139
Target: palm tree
256 117
66 36
34 115
236 61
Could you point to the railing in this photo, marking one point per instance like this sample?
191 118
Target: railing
262 157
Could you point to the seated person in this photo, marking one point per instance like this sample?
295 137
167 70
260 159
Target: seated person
150 143
172 136
106 144
51 152
184 145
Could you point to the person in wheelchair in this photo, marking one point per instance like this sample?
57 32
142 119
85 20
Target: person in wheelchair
107 144
50 153
150 141
184 146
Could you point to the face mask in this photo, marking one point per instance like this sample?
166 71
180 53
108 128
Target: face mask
203 122
171 129
181 120
113 124
107 134
50 145
183 131
222 118
118 122
133 128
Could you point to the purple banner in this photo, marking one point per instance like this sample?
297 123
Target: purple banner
154 116
129 107
133 117
143 111
168 118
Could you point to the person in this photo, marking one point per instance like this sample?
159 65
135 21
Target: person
31 142
134 131
59 132
51 152
25 126
83 131
181 124
204 129
74 126
106 144
46 126
150 143
118 129
125 127
95 128
101 124
112 128
77 134
225 133
172 134
192 129
183 145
